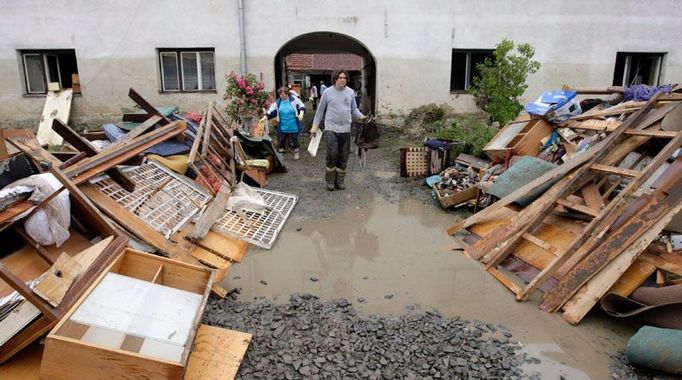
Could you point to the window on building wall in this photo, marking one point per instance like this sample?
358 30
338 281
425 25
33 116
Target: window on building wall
463 69
41 67
187 70
638 68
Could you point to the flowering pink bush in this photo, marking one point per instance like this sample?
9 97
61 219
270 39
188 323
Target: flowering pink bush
245 96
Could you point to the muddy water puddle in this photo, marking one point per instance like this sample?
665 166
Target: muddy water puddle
386 257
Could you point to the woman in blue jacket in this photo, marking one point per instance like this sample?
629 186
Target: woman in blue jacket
289 113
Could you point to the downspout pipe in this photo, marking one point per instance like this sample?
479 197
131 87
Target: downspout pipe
242 40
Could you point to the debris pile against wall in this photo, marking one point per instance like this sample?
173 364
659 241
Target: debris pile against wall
579 201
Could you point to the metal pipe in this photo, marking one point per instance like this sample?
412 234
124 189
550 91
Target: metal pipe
242 40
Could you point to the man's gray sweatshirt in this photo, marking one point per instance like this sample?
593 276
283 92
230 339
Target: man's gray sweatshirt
337 106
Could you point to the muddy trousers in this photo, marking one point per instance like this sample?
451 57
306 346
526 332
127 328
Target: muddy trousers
338 150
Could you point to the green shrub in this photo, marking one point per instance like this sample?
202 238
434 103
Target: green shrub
503 80
473 132
427 113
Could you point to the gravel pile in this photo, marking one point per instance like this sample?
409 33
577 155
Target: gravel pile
307 338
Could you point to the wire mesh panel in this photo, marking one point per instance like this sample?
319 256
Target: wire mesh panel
162 199
264 227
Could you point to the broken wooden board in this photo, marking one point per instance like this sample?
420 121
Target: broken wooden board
220 265
58 280
57 106
589 294
638 272
88 256
227 247
211 214
217 353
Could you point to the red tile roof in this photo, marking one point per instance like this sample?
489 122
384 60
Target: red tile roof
323 62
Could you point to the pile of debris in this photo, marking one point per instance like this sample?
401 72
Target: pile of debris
586 206
157 182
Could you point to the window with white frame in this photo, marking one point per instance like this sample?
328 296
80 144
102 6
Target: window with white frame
187 70
41 67
463 68
638 68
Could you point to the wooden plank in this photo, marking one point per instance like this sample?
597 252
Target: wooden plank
132 135
592 197
197 140
57 106
504 280
207 133
633 277
643 225
588 295
217 353
91 166
89 255
669 262
59 278
578 207
90 150
227 247
615 170
220 265
211 215
654 133
146 106
540 243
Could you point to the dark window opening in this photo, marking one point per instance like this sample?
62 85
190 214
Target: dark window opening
638 68
187 70
49 66
464 67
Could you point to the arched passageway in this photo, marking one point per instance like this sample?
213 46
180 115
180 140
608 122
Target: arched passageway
330 44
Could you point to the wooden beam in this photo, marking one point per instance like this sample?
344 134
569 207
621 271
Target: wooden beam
90 150
615 170
211 215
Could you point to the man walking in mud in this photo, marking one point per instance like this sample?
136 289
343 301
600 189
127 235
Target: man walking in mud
337 107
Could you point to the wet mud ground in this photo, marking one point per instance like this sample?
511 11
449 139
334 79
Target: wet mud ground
381 246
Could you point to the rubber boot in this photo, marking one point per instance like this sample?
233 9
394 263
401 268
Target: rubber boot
340 180
329 177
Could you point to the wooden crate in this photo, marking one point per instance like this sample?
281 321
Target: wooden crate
414 161
95 341
454 199
521 136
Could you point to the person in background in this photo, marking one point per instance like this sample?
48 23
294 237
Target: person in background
288 110
322 88
313 96
293 92
338 108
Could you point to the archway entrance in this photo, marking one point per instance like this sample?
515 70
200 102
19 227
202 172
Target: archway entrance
315 55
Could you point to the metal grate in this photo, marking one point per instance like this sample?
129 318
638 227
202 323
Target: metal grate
266 226
162 199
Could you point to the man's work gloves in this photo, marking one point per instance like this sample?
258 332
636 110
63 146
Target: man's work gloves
314 130
300 116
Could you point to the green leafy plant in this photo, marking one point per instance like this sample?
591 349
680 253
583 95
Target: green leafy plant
502 80
245 96
472 132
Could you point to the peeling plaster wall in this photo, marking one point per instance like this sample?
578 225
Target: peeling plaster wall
115 43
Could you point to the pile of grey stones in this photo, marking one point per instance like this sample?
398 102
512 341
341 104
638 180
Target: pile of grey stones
310 339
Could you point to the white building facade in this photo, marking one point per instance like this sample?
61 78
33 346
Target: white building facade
417 52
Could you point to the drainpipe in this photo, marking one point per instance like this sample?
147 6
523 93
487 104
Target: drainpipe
242 40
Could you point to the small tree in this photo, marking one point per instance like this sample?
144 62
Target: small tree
503 80
245 96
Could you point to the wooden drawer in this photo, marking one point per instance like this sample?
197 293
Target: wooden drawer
138 320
